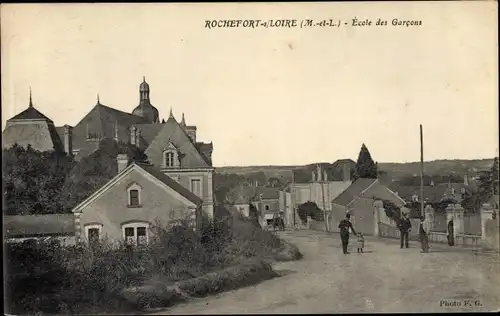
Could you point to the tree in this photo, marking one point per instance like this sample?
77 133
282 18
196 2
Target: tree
33 180
391 210
310 209
253 214
274 182
487 188
365 166
224 182
95 170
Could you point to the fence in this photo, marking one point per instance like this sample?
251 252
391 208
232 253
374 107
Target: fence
472 224
440 225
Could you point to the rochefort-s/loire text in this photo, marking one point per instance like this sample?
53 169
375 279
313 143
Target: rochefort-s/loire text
285 23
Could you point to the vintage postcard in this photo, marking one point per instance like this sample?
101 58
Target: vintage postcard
250 158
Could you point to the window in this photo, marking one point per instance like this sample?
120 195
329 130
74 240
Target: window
196 187
266 207
169 159
134 195
170 156
136 233
93 233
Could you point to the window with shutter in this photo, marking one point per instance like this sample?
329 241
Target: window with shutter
134 197
196 187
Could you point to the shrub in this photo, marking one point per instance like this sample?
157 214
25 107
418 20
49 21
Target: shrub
45 277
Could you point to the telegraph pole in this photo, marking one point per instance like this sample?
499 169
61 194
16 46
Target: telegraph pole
322 183
292 200
421 171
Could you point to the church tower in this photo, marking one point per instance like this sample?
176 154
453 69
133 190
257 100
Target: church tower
145 108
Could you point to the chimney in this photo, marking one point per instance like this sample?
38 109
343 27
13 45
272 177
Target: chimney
191 132
318 168
133 137
313 176
122 161
68 140
346 171
466 180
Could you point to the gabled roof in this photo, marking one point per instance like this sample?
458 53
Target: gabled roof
431 193
172 184
147 170
38 225
30 114
173 132
354 190
242 195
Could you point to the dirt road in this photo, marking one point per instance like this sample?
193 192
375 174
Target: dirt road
384 279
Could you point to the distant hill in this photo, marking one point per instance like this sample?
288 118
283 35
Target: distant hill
393 170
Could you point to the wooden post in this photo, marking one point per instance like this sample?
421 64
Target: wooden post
322 183
421 171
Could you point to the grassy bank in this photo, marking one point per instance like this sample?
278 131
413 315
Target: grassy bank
46 278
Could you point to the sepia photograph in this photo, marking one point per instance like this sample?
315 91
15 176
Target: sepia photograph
250 158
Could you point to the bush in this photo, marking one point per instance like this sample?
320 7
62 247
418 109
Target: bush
45 277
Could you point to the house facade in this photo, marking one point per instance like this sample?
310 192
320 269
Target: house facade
131 204
266 201
358 199
319 190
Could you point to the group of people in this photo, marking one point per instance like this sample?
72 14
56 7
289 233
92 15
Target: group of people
404 226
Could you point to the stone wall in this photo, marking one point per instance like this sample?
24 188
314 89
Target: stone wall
490 227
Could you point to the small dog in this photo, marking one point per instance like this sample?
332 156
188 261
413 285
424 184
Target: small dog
361 242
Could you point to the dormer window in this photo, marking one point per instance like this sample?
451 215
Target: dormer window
134 195
170 156
169 159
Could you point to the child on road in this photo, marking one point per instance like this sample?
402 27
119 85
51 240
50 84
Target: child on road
361 242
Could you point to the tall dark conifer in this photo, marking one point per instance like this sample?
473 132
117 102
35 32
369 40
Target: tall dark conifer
365 166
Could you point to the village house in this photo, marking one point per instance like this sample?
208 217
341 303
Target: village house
436 193
319 190
265 200
358 200
132 203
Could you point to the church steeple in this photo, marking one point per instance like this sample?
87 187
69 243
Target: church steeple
144 90
31 101
145 108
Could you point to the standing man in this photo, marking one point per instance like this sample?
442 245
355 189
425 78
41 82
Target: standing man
404 229
424 230
344 226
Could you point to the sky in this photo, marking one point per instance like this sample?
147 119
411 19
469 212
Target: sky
269 96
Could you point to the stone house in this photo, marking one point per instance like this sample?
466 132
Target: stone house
319 190
132 203
359 199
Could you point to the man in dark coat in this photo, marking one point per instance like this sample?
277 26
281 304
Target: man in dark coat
404 226
344 226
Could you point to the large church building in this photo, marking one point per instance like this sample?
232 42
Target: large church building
172 147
